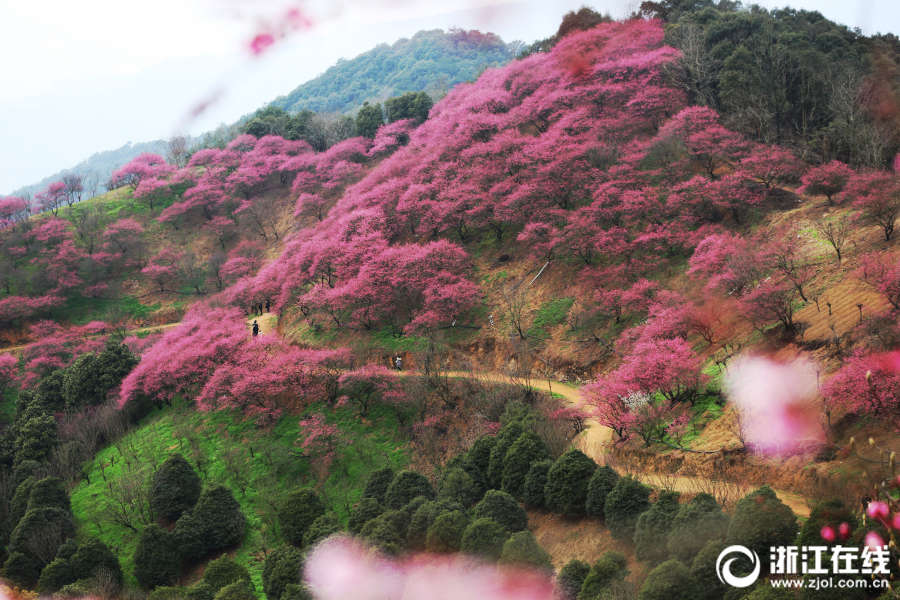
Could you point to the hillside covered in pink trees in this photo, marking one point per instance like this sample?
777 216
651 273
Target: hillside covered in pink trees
577 215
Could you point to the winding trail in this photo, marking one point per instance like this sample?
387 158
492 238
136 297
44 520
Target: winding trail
592 440
595 437
267 322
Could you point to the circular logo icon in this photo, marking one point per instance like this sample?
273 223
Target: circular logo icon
724 571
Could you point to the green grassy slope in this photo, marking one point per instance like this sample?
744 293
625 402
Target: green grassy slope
269 466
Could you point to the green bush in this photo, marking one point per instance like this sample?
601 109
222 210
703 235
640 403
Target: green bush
364 511
571 577
297 591
224 571
383 535
609 568
36 438
601 484
27 469
221 514
457 485
166 593
18 506
484 538
368 119
41 522
239 590
760 521
92 554
191 536
446 533
406 486
156 559
54 576
281 567
505 439
502 508
522 549
670 581
535 482
480 453
696 523
323 527
378 484
704 572
414 505
423 519
528 449
199 591
628 500
176 487
89 379
400 519
49 493
20 570
651 533
298 511
411 105
68 549
567 483
475 474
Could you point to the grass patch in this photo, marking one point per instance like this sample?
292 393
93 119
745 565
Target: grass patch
120 203
549 314
495 277
79 309
272 465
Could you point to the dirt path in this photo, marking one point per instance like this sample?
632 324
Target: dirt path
267 322
595 438
592 440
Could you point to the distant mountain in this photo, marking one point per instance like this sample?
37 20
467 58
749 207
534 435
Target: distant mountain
429 59
102 163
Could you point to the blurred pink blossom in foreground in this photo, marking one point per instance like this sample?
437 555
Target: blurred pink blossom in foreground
775 400
343 569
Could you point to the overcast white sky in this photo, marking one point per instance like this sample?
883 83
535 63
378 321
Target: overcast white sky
90 75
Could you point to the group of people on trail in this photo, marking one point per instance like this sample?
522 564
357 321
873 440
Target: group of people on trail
256 309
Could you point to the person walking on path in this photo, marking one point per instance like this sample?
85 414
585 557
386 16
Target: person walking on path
399 363
255 328
268 306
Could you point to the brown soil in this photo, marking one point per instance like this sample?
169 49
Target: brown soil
568 538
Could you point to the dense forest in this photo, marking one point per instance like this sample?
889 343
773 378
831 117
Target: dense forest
572 331
430 60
